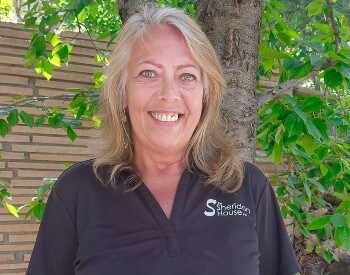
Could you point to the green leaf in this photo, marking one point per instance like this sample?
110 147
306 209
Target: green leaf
284 211
323 28
293 125
12 209
277 152
3 127
56 120
99 79
309 144
47 69
328 256
77 101
29 22
55 60
344 206
38 210
81 111
312 129
324 169
12 118
266 52
317 184
97 122
27 119
5 193
322 128
314 8
307 189
279 133
28 2
82 16
312 104
315 60
279 5
290 100
343 197
39 45
318 222
40 121
302 70
281 191
337 57
344 69
54 40
344 236
338 220
71 134
43 189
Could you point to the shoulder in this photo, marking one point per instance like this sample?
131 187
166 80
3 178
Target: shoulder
253 174
74 177
254 180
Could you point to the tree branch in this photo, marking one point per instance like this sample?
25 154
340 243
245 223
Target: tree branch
34 99
335 27
306 91
279 90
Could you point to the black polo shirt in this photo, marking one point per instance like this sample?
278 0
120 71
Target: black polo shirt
90 229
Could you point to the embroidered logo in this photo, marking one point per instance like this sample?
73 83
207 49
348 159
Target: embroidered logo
218 209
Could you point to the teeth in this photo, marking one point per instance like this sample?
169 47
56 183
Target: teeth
165 118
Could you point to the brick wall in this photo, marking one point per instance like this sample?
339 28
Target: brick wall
35 153
32 154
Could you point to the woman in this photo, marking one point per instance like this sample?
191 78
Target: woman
166 193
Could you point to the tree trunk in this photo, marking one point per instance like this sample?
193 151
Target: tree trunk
129 7
233 27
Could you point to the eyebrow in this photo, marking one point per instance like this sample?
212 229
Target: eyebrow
160 66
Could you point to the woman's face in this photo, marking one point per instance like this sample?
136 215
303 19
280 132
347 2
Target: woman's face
164 91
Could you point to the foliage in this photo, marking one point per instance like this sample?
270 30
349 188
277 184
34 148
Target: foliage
310 134
5 8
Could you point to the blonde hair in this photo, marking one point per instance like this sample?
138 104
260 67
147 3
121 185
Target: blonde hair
209 152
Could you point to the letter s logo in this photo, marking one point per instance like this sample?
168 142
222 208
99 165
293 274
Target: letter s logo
212 212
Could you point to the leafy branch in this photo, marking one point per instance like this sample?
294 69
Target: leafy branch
334 24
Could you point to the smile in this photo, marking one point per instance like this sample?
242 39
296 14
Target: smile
166 117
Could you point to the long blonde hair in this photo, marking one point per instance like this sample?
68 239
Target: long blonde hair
209 150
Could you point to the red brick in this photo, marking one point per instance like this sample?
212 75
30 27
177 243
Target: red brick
65 158
16 247
16 238
11 155
7 257
12 266
16 138
38 174
36 165
49 149
19 228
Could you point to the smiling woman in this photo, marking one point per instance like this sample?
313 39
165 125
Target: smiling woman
166 193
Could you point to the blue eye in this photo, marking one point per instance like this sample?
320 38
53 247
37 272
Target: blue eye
188 77
148 74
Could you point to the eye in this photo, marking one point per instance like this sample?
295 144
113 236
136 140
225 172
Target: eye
188 77
148 74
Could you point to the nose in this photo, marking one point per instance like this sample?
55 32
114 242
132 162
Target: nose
169 90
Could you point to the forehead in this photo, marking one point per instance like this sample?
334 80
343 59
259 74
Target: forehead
161 41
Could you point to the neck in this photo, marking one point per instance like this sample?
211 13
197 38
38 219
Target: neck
155 164
159 165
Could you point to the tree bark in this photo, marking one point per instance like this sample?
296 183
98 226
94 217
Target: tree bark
129 7
233 27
